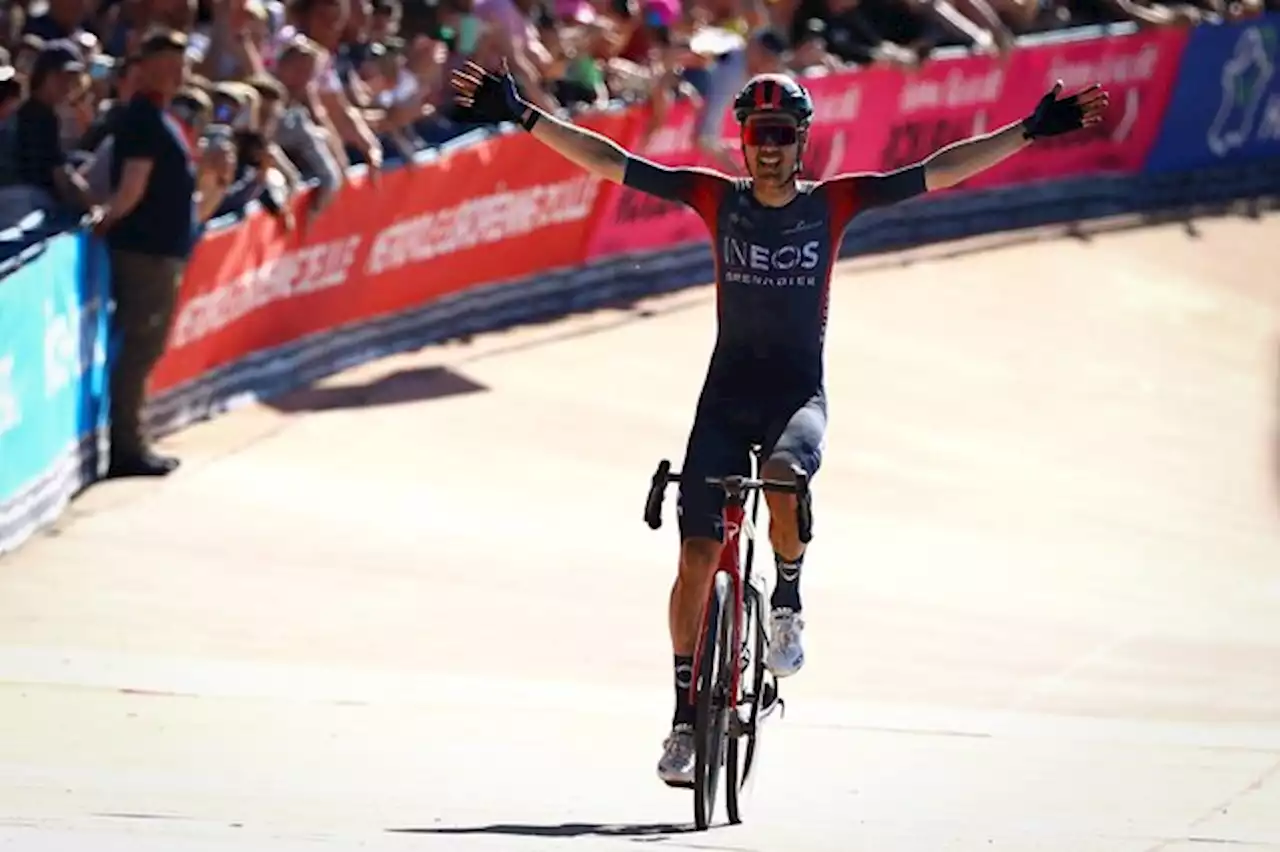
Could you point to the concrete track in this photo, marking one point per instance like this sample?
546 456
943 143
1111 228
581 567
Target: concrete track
415 607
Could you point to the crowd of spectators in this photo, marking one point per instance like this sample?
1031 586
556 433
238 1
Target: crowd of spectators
282 92
154 117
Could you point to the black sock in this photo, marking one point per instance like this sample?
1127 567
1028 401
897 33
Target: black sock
686 712
786 594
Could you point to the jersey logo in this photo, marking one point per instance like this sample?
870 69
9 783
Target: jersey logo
788 265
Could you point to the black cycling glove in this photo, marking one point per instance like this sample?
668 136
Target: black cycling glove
1053 117
491 98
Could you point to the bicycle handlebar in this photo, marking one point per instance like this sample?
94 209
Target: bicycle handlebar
736 488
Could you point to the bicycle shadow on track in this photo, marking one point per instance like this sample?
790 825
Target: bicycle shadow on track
653 831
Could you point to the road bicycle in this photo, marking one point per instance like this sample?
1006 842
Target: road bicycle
732 640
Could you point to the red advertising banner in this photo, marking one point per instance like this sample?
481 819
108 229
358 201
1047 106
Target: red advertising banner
510 208
950 102
880 119
501 210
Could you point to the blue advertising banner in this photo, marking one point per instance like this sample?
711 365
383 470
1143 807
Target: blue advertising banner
1226 102
53 380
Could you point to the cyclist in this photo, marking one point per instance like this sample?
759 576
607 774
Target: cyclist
775 239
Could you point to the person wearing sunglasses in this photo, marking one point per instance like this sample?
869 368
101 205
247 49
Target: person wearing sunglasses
775 239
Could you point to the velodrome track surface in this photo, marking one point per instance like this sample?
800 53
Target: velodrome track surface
415 607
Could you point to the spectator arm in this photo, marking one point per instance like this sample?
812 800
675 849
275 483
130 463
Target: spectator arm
215 198
950 17
281 161
325 122
211 192
133 185
249 55
351 126
986 18
1155 16
318 159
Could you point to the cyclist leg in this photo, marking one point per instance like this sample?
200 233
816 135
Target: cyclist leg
800 440
714 449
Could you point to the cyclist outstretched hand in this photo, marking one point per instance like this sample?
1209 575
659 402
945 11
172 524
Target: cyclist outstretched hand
486 96
1054 116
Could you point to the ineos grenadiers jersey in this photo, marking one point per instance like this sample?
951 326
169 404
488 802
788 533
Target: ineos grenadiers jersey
773 267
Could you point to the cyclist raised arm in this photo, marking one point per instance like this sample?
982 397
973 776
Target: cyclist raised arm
955 163
493 97
776 238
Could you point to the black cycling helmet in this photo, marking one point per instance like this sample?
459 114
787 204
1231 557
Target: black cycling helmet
773 93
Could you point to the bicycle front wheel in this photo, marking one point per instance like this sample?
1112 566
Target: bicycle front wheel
740 756
714 702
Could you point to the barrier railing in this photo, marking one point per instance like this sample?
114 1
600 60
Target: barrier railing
503 230
53 381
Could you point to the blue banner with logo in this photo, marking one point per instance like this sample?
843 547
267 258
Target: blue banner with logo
54 405
1225 107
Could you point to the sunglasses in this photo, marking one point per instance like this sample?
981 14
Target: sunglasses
776 134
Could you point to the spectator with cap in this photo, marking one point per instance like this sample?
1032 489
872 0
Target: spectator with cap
39 158
151 225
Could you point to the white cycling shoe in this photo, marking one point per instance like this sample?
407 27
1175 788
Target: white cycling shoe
786 643
677 762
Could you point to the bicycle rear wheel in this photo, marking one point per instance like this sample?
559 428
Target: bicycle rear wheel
714 701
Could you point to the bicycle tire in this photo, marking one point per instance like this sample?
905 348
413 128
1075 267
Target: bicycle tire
711 726
759 680
739 759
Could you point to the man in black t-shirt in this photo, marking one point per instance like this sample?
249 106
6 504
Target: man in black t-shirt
151 228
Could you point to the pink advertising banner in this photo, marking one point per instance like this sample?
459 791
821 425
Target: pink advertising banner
882 119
